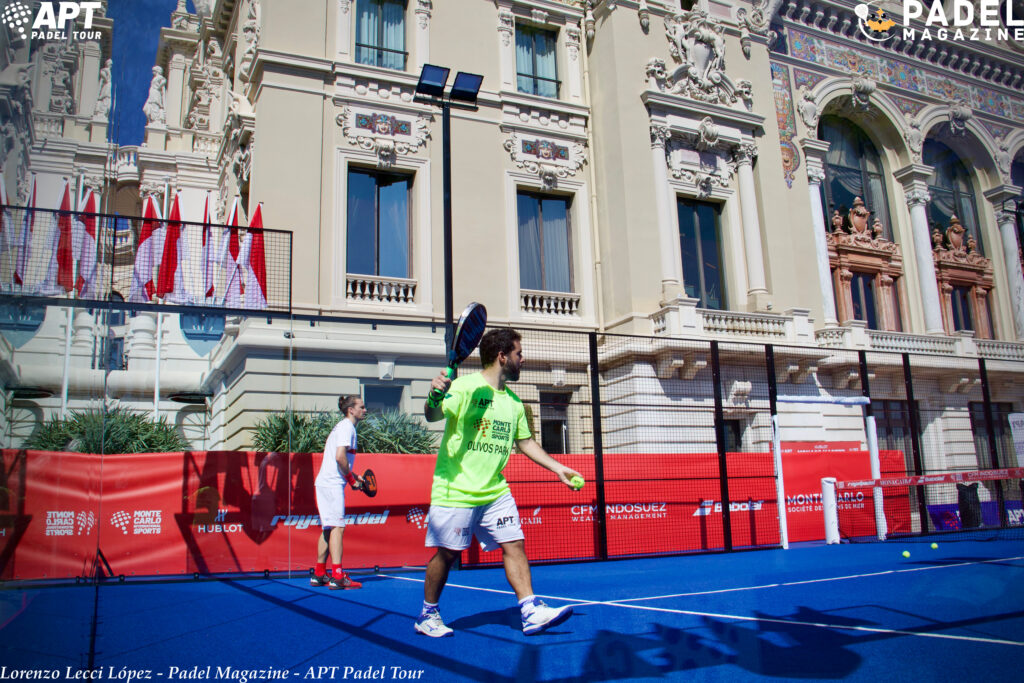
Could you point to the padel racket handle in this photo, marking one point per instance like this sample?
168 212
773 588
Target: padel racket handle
436 395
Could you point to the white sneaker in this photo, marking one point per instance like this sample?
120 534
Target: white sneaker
430 624
540 617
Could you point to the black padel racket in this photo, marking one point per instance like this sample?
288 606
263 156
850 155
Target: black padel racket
369 483
471 327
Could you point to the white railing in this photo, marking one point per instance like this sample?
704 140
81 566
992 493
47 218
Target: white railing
902 342
380 290
549 303
830 338
743 324
998 350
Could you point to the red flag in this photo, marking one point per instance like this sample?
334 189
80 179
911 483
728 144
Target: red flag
170 264
142 276
229 247
85 246
65 251
256 263
207 251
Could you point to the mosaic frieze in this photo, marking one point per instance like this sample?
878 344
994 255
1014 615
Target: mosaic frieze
991 102
902 76
996 130
807 48
785 116
898 74
947 90
383 124
545 149
807 79
910 108
852 61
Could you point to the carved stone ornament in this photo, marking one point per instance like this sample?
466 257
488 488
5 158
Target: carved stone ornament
506 26
660 136
757 21
549 159
388 135
697 41
959 115
704 169
808 108
957 246
423 10
918 196
1004 160
915 140
815 175
863 88
854 231
589 23
707 133
644 12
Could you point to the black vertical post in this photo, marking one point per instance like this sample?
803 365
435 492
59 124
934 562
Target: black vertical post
595 406
990 427
446 180
723 467
773 409
915 440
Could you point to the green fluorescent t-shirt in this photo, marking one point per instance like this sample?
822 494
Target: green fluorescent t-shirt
482 426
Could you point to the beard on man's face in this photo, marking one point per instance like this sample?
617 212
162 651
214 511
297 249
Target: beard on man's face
511 371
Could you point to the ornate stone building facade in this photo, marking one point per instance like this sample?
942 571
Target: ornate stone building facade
763 172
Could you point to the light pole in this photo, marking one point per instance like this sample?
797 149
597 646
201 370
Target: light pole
462 95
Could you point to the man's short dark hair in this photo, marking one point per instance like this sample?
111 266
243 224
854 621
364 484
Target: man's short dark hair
346 402
501 340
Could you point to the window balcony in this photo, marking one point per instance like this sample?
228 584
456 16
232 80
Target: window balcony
370 289
561 304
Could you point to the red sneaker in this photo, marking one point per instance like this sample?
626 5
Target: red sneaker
343 583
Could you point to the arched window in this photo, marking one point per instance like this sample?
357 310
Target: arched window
853 169
951 190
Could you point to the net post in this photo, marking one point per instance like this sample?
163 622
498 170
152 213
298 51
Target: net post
723 466
780 486
990 427
831 510
881 528
915 440
600 519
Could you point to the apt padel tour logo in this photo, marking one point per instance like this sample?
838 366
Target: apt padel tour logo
52 21
960 20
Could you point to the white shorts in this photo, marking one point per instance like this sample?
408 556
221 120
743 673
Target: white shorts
494 523
330 503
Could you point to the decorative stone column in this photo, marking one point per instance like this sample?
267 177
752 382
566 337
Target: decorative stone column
175 90
507 45
744 156
1011 252
668 236
914 179
88 80
814 154
423 9
343 34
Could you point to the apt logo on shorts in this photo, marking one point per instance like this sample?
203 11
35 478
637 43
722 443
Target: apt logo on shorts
506 522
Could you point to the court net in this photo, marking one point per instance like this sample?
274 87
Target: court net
957 505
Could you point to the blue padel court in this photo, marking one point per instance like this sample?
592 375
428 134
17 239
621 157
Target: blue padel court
848 612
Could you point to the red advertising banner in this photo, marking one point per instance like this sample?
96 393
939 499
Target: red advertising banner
803 471
64 514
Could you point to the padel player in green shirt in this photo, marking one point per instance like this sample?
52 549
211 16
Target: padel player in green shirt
469 495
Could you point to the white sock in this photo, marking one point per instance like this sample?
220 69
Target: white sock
429 607
526 604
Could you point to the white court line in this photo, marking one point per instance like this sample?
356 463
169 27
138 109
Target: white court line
825 580
788 622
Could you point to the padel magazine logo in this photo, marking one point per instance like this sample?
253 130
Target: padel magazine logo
52 21
958 21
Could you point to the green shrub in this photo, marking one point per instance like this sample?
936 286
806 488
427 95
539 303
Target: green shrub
393 431
119 430
292 432
389 432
